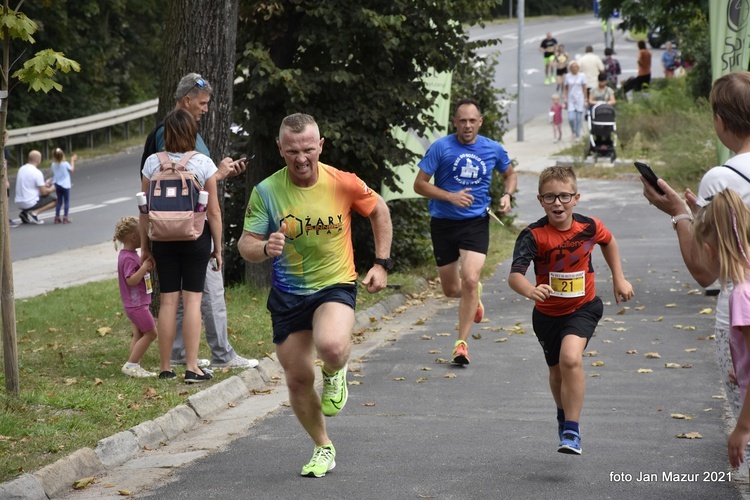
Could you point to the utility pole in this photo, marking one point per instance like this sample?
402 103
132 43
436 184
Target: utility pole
519 100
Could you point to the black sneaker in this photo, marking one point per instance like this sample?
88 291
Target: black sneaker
34 219
167 375
194 378
24 216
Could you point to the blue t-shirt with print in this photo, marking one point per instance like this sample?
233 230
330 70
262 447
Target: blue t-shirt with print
456 166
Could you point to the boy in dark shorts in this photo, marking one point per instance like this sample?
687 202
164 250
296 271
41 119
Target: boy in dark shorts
567 309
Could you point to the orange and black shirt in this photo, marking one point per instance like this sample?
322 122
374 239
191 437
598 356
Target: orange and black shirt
562 259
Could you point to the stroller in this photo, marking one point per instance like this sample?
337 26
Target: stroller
602 132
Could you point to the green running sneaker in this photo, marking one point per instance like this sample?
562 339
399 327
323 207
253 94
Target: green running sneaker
335 392
322 461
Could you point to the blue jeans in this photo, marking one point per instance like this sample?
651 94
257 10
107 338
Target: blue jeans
575 118
63 197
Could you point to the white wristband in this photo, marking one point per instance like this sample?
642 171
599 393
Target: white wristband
679 217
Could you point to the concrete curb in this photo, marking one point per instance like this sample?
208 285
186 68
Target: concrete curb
56 480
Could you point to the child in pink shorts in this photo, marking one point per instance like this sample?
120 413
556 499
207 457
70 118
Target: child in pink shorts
135 290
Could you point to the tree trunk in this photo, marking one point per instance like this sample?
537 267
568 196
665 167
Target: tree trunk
7 292
200 36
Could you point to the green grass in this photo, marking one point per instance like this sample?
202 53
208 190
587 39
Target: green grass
72 343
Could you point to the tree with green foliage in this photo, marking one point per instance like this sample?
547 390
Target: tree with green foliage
39 72
357 68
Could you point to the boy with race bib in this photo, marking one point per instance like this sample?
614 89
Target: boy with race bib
566 309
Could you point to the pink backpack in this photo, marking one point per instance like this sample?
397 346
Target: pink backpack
173 201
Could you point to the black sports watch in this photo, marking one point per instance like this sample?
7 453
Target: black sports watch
386 264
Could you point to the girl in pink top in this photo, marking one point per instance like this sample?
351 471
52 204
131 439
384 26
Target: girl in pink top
722 231
555 114
135 290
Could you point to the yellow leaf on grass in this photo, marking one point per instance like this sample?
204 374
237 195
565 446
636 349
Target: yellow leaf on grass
98 381
645 370
689 435
70 381
671 365
652 355
598 363
105 330
707 310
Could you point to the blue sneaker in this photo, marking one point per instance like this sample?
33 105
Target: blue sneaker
570 443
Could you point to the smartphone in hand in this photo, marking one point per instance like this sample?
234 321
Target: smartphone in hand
649 175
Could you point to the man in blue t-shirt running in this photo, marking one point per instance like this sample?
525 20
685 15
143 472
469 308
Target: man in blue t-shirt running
462 164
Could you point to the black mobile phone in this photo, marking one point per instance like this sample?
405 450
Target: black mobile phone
649 175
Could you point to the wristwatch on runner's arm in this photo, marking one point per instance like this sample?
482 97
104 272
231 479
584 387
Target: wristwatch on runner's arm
386 263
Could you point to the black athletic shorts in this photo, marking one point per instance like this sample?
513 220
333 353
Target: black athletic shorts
293 313
448 236
550 330
182 265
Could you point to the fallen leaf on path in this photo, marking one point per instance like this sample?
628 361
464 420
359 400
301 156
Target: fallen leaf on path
689 435
590 354
440 360
606 341
594 375
719 396
670 305
707 310
421 379
598 363
476 336
443 334
354 382
691 349
83 483
660 318
425 337
645 370
450 375
502 339
680 416
687 365
632 351
433 351
619 329
639 308
426 369
652 355
368 404
399 379
671 365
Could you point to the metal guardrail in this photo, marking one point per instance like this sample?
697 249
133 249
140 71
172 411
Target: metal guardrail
68 128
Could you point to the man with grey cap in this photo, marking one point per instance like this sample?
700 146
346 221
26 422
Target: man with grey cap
193 94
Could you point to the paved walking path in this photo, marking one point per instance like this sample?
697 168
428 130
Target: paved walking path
419 428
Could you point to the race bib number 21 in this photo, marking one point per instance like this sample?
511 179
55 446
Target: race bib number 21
568 285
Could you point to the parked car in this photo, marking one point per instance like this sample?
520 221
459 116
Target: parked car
658 37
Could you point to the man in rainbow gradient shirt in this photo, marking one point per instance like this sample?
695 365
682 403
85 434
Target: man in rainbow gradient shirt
301 218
